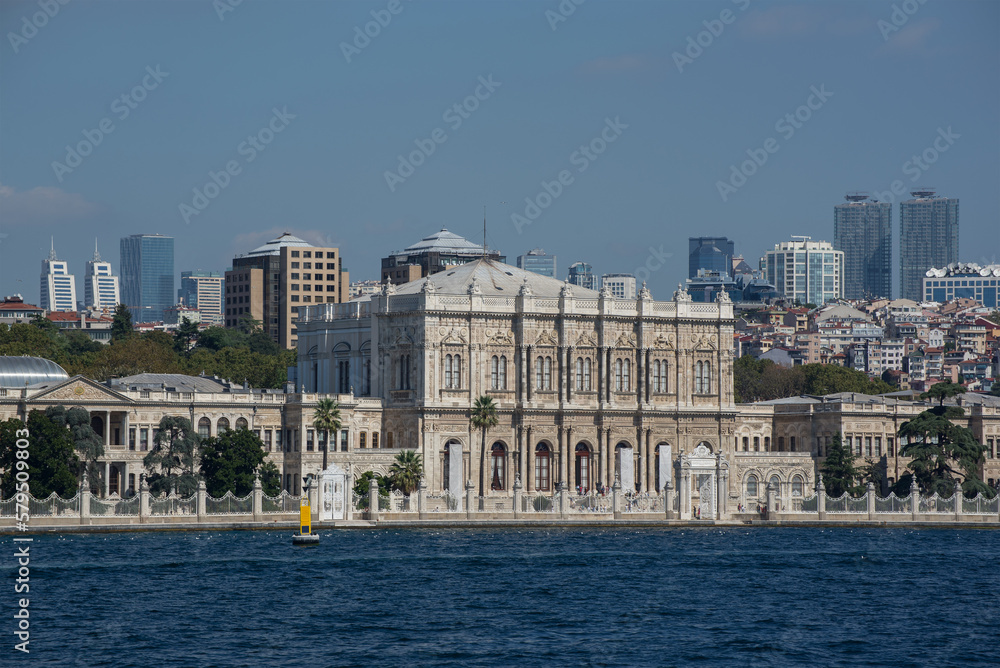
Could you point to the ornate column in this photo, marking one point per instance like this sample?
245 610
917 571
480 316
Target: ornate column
609 459
600 456
570 462
685 489
723 489
527 374
958 501
639 468
569 374
821 499
870 500
601 376
258 498
530 468
561 456
650 463
914 498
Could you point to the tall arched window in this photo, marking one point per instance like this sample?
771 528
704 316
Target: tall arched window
797 486
582 468
773 480
374 439
495 373
660 376
223 425
452 372
498 467
618 375
204 427
579 374
586 375
626 374
363 439
548 373
539 373
241 423
503 373
542 461
697 377
751 485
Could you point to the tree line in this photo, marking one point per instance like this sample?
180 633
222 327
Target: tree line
240 354
763 380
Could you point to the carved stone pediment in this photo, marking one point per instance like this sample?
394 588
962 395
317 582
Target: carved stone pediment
500 337
548 338
667 341
626 340
80 388
706 342
454 335
587 339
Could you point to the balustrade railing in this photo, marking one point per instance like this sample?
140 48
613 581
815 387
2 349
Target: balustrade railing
847 504
980 505
283 503
441 503
642 503
538 503
935 504
892 504
230 504
174 505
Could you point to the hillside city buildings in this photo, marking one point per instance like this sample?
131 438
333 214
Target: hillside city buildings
808 272
203 292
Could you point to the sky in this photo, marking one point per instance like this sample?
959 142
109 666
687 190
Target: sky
604 132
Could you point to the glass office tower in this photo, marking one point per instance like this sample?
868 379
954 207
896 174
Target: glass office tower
862 229
537 261
711 253
147 275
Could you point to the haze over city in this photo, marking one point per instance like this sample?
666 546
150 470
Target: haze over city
629 117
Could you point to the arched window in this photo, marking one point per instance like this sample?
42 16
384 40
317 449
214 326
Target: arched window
582 468
363 439
495 373
656 376
447 371
498 467
746 444
579 374
618 375
241 423
374 439
204 427
751 485
660 376
626 373
539 373
542 461
223 425
773 480
797 486
586 375
706 377
503 373
698 370
452 372
548 373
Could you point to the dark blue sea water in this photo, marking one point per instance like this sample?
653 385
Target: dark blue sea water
555 597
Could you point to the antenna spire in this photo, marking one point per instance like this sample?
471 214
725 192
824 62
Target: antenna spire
52 249
97 256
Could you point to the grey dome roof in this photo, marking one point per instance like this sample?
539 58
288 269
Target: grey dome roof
442 242
21 371
274 246
494 279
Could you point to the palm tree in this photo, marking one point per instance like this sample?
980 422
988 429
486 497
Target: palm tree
484 417
326 418
406 471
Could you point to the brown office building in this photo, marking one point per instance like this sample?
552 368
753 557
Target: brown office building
270 283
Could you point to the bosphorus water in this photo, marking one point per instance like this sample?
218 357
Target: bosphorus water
506 597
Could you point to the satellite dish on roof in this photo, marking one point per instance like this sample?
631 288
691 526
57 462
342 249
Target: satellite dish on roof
996 271
985 271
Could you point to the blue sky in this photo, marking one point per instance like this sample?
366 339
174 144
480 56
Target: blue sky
200 81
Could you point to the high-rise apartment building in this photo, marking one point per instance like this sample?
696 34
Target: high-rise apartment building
101 290
928 226
271 283
862 229
711 253
621 286
203 290
582 274
537 261
809 272
147 275
58 286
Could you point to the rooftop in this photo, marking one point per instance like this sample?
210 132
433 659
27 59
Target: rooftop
21 371
274 246
494 279
442 242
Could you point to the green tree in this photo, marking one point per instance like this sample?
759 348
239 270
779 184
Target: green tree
121 325
147 353
248 324
406 471
185 336
870 472
363 484
229 462
484 418
88 445
838 470
52 464
326 418
270 478
942 452
995 388
171 461
942 391
217 338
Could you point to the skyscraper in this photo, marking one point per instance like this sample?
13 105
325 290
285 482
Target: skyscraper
582 274
862 229
808 272
537 261
58 286
712 253
203 290
147 273
101 288
271 282
928 226
621 286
